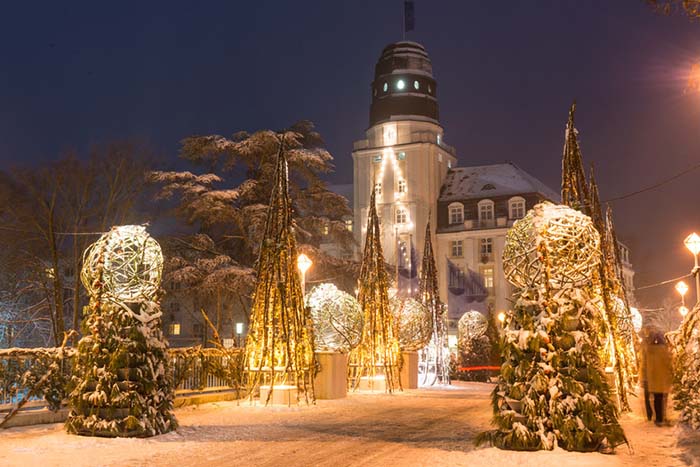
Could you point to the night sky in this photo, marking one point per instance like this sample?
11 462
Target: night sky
76 74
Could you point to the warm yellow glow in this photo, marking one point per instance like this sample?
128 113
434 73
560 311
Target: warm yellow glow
683 310
692 242
303 263
501 317
682 288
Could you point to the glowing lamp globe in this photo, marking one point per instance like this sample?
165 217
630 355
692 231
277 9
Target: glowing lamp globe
692 243
565 236
683 310
414 321
126 263
681 288
303 263
637 320
337 318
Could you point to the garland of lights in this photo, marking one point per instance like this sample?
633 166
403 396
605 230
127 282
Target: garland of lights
279 348
378 355
337 318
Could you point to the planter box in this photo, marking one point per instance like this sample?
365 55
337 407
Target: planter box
281 395
331 382
409 370
374 384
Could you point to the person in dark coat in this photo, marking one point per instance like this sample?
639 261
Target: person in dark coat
656 374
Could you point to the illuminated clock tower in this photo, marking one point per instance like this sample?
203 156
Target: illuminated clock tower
403 156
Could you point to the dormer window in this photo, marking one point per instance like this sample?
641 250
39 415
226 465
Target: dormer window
487 187
486 215
456 212
516 207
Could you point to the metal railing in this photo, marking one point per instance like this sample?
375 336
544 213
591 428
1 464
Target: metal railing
193 369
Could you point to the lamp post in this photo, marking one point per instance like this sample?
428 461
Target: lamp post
692 243
303 263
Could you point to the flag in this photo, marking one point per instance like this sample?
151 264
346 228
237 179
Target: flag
409 16
464 292
408 271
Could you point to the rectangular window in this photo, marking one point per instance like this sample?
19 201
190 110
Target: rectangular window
401 186
456 214
486 246
326 229
400 216
457 248
377 159
378 188
197 330
174 329
348 224
487 274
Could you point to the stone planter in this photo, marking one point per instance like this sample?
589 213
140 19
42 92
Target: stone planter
409 370
331 381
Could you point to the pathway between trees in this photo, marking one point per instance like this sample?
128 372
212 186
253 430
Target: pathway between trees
429 427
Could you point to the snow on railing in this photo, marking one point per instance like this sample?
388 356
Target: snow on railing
193 369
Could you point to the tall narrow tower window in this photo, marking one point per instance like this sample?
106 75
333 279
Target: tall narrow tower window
378 188
401 186
400 85
416 85
386 87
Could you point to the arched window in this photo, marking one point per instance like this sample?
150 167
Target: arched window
456 213
486 215
516 207
401 216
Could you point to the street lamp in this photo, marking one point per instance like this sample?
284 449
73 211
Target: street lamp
501 317
303 263
692 242
683 310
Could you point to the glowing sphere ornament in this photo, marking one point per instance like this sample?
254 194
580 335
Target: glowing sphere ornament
337 318
125 263
414 321
567 238
472 325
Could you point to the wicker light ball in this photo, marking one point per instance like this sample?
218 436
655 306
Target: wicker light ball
472 325
126 263
567 237
337 318
414 322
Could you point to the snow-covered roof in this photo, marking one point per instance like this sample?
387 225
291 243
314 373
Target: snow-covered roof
486 181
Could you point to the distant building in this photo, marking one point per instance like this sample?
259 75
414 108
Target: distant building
405 160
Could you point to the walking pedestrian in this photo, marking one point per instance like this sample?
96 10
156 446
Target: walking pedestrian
655 374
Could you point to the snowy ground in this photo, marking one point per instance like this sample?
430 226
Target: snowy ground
433 428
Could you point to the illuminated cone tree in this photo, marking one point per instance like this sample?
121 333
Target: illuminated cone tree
435 357
378 355
279 349
606 287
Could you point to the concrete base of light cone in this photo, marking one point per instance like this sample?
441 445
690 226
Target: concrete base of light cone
409 370
282 394
373 383
331 381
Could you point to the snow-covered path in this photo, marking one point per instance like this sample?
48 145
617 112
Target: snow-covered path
433 427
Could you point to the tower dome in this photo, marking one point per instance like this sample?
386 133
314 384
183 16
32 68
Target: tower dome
403 84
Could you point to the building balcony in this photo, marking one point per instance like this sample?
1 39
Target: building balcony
498 223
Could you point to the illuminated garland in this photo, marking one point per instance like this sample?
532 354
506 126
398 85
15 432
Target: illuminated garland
279 347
